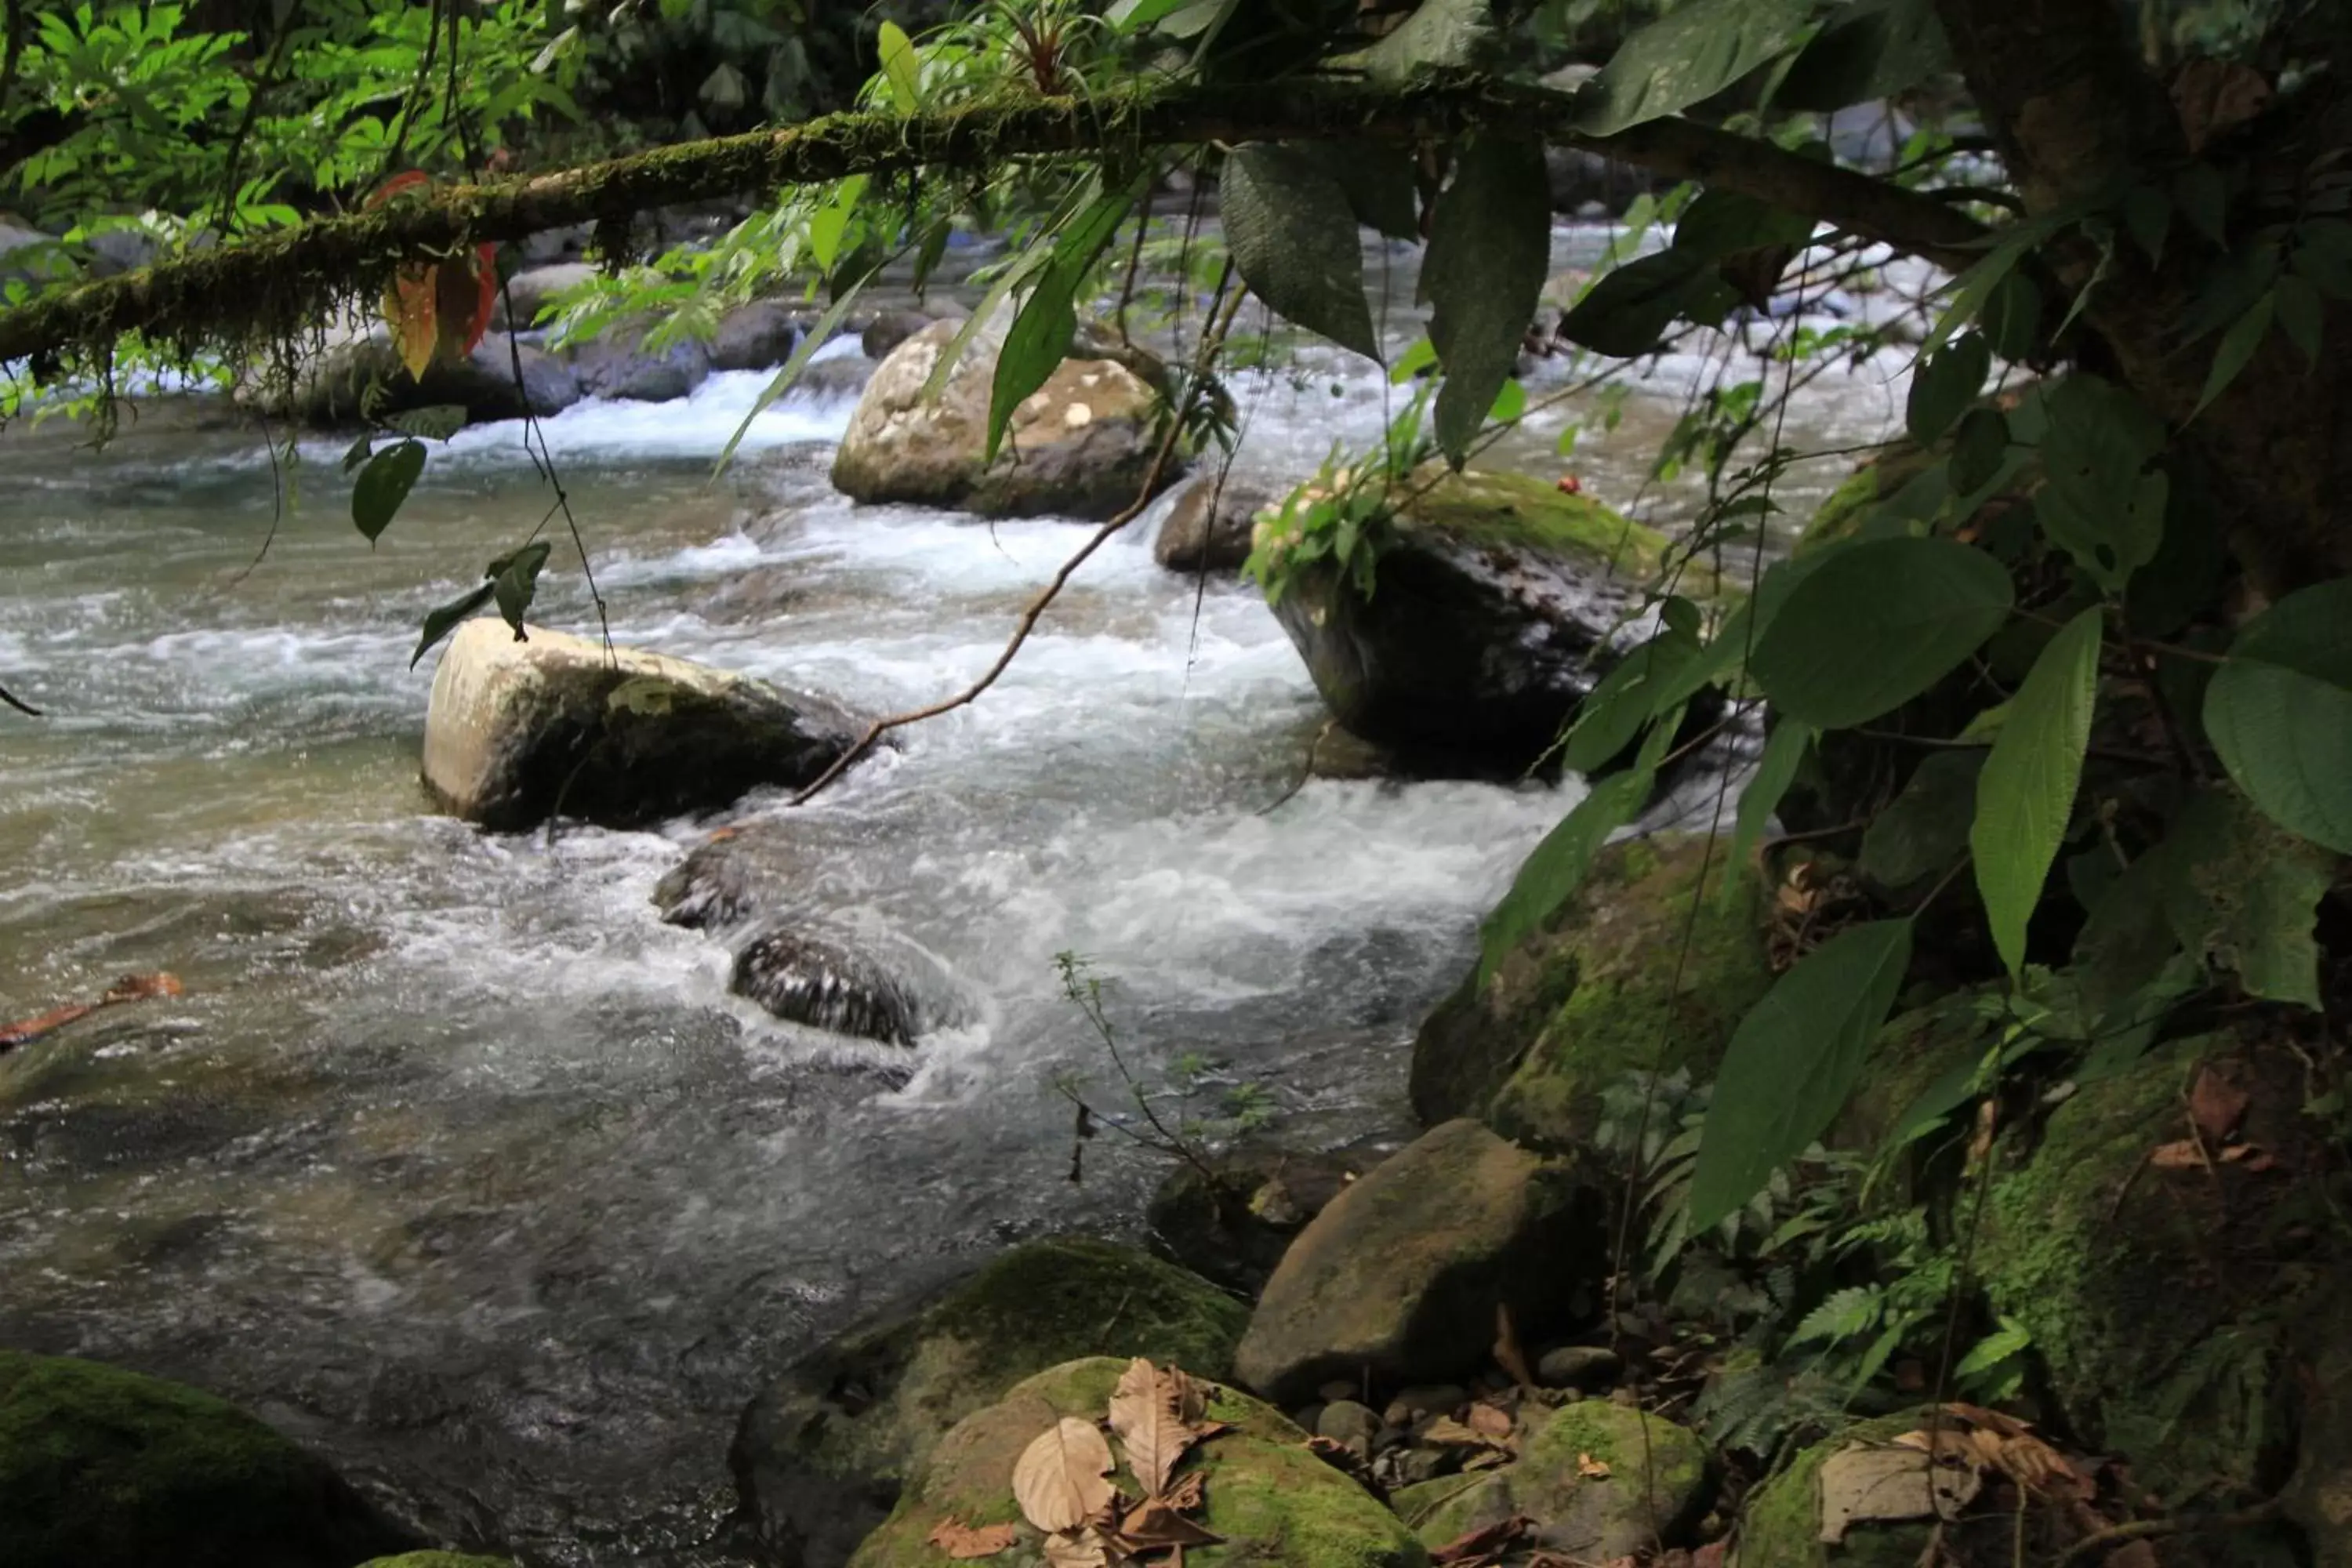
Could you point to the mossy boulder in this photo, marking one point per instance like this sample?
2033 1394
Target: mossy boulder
1780 1526
1598 993
1588 1516
1500 606
1269 1500
821 1456
100 1468
1398 1280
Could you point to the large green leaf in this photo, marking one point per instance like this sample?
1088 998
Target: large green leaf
1692 52
1866 52
1776 770
1793 1062
2242 895
1627 698
514 582
2099 503
1722 223
1379 182
1552 873
1440 36
1629 307
446 618
2279 712
1040 335
2026 794
902 67
1945 383
1293 237
1489 252
384 485
1877 623
1922 832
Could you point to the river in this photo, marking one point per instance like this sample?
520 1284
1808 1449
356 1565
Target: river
455 1161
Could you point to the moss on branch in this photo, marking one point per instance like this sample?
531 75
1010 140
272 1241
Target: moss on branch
276 287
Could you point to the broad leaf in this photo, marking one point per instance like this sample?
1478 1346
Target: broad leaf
1792 1063
2098 502
1922 832
447 619
2026 794
1378 182
902 67
2241 895
1945 383
1058 1479
1293 237
1979 449
2279 713
1722 223
1627 698
1440 36
1784 752
2236 350
1629 307
1865 52
384 485
1489 252
1877 625
1552 873
1691 53
514 582
2129 938
2011 317
1040 335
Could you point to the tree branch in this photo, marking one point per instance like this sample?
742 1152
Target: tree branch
275 288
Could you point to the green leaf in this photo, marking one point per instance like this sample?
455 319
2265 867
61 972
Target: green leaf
1489 252
1723 223
447 619
1693 52
1866 52
2236 350
2241 895
1627 698
1792 1063
2129 938
2202 194
1922 832
1040 335
358 451
1552 873
1979 448
514 582
815 338
384 484
1877 623
1945 383
2302 314
2013 1338
2147 214
1012 277
2013 317
2279 713
1379 182
1440 36
1629 307
2026 795
1293 237
1784 753
2097 503
902 67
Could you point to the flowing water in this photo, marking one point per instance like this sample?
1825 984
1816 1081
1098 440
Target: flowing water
453 1159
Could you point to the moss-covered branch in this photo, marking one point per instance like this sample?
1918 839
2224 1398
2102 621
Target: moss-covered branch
275 287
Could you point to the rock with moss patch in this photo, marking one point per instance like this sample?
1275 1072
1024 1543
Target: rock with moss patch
1270 1502
1781 1527
1603 990
1498 607
821 1456
1580 1477
1399 1278
1081 446
100 1468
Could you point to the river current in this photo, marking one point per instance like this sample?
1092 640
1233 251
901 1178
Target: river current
458 1163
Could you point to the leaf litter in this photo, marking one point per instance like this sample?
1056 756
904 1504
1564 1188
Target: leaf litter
1062 1479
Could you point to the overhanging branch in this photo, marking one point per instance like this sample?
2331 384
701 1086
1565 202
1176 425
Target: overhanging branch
277 286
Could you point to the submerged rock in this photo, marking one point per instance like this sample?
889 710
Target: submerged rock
803 979
1081 446
1605 990
516 730
1209 529
820 1457
1400 1277
102 1467
1269 1501
1580 1477
1502 603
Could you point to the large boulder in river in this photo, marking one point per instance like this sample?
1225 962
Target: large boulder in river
821 1456
807 980
618 363
520 730
102 1467
1500 605
1644 969
1208 529
1268 1500
364 377
1398 1280
1081 446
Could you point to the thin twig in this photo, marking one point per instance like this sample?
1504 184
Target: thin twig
18 703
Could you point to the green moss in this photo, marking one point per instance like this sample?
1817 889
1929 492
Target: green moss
102 1467
1520 509
1606 990
1584 1514
1274 1503
1780 1526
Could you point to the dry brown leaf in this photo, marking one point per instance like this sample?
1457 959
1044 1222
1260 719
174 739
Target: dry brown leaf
965 1543
1898 1483
1189 1492
2216 1105
1058 1479
2214 97
1509 1355
2188 1154
1147 1412
1491 1420
1591 1468
1447 1433
1154 1523
1486 1459
1483 1545
1083 1547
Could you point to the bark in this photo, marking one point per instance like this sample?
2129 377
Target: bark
276 287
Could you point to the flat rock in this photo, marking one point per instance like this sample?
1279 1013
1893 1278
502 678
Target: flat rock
1579 1476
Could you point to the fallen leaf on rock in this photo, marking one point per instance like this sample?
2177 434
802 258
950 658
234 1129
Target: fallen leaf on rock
1154 1523
1058 1479
1147 1411
2252 1156
1447 1433
1591 1468
1483 1545
1187 1494
1083 1547
1865 1484
2216 1105
965 1542
1491 1420
2186 1155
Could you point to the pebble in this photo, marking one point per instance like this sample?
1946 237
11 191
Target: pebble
1436 1399
1349 1425
1579 1366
